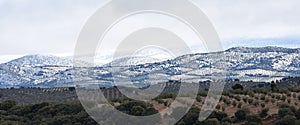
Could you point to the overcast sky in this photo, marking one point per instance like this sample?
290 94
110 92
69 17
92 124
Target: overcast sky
52 26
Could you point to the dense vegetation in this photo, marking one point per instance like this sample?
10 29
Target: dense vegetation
68 113
276 104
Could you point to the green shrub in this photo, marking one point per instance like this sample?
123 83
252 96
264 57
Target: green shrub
199 99
284 112
250 101
137 108
253 120
238 98
286 120
289 101
273 96
245 99
273 101
262 97
202 93
6 105
223 109
297 114
255 103
278 97
218 107
267 100
283 98
264 112
263 105
240 105
213 121
240 115
234 103
218 115
226 121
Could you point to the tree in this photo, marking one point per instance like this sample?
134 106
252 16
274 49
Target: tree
6 105
237 87
264 112
212 121
191 117
137 108
253 120
287 120
218 115
297 114
241 114
282 112
274 87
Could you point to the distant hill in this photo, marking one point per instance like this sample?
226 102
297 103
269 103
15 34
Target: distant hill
244 63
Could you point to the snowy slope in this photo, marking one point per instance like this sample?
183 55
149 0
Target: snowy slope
257 64
32 70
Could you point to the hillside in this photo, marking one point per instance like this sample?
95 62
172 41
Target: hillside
247 64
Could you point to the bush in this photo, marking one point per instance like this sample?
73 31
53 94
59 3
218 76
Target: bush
213 121
262 97
226 121
218 107
267 100
250 101
199 99
241 114
287 120
250 93
226 101
272 96
273 101
283 98
238 98
47 113
282 112
256 103
223 109
274 87
237 87
289 101
6 105
245 99
191 117
253 120
234 103
218 115
202 93
137 108
297 114
240 105
278 97
264 112
263 105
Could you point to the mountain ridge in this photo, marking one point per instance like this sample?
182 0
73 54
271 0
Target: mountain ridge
245 63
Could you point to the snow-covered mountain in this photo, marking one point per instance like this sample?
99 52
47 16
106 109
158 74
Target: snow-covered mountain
256 64
32 70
